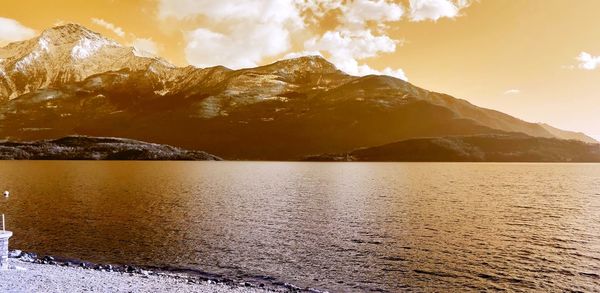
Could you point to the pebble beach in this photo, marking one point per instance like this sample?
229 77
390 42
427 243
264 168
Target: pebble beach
26 275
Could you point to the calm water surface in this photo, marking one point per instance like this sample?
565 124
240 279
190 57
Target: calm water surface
332 226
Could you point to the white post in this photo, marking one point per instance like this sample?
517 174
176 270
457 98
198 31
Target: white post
4 235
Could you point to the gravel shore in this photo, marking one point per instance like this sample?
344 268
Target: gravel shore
37 277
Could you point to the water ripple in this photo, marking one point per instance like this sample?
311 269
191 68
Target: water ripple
338 227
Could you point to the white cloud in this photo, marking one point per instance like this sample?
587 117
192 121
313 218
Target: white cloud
353 40
13 31
109 26
361 11
302 54
346 47
512 92
243 33
587 61
421 10
352 67
240 48
354 44
261 11
237 33
146 47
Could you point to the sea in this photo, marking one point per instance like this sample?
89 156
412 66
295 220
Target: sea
337 227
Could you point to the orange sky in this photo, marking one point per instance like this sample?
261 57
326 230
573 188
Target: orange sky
518 57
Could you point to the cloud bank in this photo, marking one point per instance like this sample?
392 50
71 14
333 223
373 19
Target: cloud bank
243 33
13 31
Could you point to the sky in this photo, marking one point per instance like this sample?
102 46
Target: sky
538 60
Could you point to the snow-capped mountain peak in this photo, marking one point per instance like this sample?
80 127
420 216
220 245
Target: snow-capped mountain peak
62 54
73 33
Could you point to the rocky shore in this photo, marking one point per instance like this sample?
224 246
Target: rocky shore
30 273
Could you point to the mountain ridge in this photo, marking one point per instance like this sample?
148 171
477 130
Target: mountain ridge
63 54
280 111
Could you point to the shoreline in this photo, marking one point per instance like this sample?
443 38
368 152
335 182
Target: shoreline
30 273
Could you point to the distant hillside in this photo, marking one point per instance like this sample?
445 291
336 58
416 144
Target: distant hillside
479 148
562 134
97 148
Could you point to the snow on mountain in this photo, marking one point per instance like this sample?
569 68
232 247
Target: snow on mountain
63 54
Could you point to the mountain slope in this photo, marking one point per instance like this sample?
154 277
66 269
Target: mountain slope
65 54
282 111
562 134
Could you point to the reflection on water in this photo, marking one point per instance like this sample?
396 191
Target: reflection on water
334 226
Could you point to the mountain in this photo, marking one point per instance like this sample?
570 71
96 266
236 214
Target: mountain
97 148
70 80
478 148
65 54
